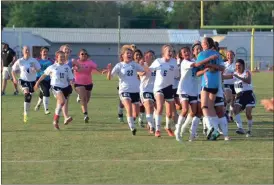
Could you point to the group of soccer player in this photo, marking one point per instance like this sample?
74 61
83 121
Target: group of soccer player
59 76
195 81
192 85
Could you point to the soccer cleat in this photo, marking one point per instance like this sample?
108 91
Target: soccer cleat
226 138
248 134
86 119
169 132
37 107
240 131
15 93
191 138
158 133
2 93
68 120
134 131
209 133
141 123
55 124
78 99
151 130
25 118
47 112
215 136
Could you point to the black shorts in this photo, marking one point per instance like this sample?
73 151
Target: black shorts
87 87
66 91
219 101
27 85
45 87
175 93
147 96
134 97
245 99
210 90
190 99
167 92
231 87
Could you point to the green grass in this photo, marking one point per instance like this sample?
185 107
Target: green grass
104 151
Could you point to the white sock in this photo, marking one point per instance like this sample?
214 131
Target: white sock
26 107
238 121
46 102
39 101
158 120
183 124
168 122
150 120
120 110
215 123
249 122
188 119
179 124
194 126
224 125
204 124
206 121
131 124
58 109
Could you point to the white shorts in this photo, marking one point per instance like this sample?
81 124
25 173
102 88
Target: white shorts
6 74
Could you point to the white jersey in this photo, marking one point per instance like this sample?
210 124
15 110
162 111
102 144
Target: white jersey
188 82
127 73
176 80
166 72
27 68
60 75
229 70
241 86
147 82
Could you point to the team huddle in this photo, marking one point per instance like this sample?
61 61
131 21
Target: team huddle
195 82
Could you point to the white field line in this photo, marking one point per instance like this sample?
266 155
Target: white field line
141 160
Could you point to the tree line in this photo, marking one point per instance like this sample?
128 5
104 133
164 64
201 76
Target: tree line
145 14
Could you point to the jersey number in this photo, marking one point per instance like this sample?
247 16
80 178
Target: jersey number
130 73
62 75
240 85
153 73
165 73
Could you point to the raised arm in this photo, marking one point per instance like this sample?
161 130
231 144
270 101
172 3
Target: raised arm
205 61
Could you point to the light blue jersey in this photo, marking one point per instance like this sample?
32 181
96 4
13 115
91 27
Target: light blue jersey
210 79
44 65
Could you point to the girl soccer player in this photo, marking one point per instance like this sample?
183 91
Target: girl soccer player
229 84
166 70
129 84
61 78
83 80
28 68
245 98
146 90
44 94
210 84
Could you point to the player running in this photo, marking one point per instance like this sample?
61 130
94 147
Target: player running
61 78
146 90
166 70
245 98
83 80
28 68
44 87
129 84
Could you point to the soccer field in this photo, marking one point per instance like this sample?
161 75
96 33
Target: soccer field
105 152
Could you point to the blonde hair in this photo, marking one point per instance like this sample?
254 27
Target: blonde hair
64 46
164 47
123 50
